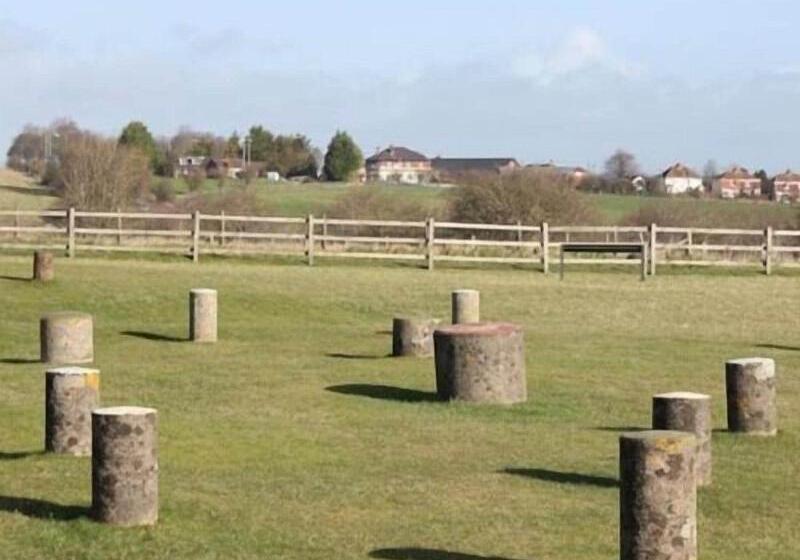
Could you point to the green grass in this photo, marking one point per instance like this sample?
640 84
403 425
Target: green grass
18 192
260 459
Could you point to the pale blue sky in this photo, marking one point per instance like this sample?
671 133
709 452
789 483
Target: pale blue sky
566 80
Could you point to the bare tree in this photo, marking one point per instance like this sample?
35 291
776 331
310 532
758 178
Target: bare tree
98 174
621 165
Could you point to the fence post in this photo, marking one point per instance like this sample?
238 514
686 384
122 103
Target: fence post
324 231
310 239
71 232
16 223
652 244
690 242
768 251
519 231
221 228
119 226
430 240
544 240
196 236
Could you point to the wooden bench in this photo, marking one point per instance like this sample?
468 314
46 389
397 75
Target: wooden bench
629 248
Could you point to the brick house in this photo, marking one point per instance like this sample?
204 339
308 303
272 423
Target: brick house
786 186
679 179
736 182
398 164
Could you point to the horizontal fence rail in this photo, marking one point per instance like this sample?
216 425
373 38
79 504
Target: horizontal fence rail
428 241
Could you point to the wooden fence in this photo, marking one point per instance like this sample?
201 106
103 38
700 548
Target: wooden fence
425 241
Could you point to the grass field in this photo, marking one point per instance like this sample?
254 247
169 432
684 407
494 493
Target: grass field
18 192
295 437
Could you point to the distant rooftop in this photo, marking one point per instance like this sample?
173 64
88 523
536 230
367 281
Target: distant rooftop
396 153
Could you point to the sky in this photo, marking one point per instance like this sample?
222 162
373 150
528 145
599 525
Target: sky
567 81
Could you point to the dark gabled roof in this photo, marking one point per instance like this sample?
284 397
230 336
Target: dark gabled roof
680 171
396 153
565 169
471 164
787 176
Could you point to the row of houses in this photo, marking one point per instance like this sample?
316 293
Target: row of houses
736 182
402 165
214 168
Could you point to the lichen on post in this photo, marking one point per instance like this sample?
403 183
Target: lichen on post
687 412
71 393
66 338
413 336
658 496
125 466
751 387
480 363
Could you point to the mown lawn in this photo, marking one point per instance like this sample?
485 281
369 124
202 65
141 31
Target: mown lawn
295 437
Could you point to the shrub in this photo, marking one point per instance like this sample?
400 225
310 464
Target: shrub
526 196
164 191
194 181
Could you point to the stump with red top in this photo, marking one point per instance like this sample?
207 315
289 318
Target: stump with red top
480 363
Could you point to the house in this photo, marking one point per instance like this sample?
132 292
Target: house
786 186
190 165
576 175
450 169
398 164
233 168
680 179
736 182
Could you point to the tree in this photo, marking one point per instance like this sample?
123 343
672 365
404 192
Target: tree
136 135
343 157
101 174
621 166
233 148
261 141
709 172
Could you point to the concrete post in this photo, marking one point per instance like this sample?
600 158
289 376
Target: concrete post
413 337
687 412
751 386
71 393
43 266
466 305
203 315
125 466
658 496
66 337
480 363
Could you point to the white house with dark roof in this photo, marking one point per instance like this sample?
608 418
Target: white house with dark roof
397 164
680 179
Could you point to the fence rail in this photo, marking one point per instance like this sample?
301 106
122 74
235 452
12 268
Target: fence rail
428 241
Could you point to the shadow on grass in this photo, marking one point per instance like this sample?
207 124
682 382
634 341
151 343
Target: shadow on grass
153 336
14 455
19 361
343 356
384 332
779 347
383 392
564 477
29 191
17 278
426 554
41 509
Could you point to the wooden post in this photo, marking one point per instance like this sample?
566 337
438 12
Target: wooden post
652 248
690 242
768 251
324 231
544 239
616 235
71 232
519 231
16 223
561 263
196 236
644 262
310 239
430 239
221 228
119 226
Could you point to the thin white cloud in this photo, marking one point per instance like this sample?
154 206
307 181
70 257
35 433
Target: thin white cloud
580 49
